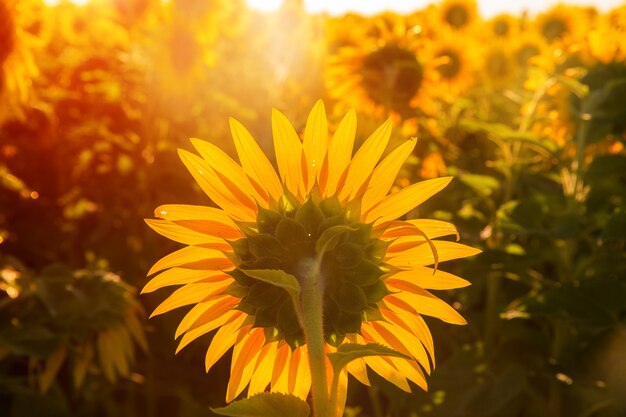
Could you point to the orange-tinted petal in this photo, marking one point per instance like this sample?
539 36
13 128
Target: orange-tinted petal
223 164
430 279
365 160
181 276
254 161
385 174
193 257
232 200
400 203
315 143
288 149
339 154
223 339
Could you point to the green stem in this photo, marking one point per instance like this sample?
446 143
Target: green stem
312 321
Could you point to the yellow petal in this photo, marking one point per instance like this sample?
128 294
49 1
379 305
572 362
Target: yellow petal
236 204
193 257
254 161
205 312
385 174
280 373
388 372
288 149
175 212
358 369
315 143
245 354
299 381
52 367
430 279
423 255
407 228
182 276
223 340
262 375
412 322
190 294
423 302
339 153
184 235
365 160
400 203
411 370
401 340
223 164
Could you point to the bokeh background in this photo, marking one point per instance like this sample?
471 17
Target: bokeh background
527 111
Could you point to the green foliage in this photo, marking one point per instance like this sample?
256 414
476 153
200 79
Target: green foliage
267 404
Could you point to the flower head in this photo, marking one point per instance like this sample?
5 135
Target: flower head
325 210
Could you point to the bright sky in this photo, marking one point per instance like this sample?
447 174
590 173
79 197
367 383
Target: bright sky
487 8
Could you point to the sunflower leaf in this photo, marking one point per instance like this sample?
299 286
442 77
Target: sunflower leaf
266 404
348 352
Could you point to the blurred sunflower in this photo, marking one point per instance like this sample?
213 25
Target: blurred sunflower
458 14
326 221
181 56
454 62
561 22
498 68
606 42
503 26
88 321
385 73
527 45
17 66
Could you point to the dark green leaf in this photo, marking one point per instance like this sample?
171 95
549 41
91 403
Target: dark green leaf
266 404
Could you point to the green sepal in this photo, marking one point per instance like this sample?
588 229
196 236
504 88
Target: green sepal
288 203
235 289
241 249
377 249
310 216
375 292
265 246
362 235
348 352
372 313
246 307
350 298
267 220
349 323
266 404
365 273
263 295
287 320
290 231
272 334
265 317
278 278
330 238
349 255
241 278
331 207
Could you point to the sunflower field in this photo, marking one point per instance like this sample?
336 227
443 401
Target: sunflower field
398 215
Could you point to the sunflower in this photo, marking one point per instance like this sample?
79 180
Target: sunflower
17 67
386 73
504 26
454 63
458 14
499 68
562 23
326 221
606 42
